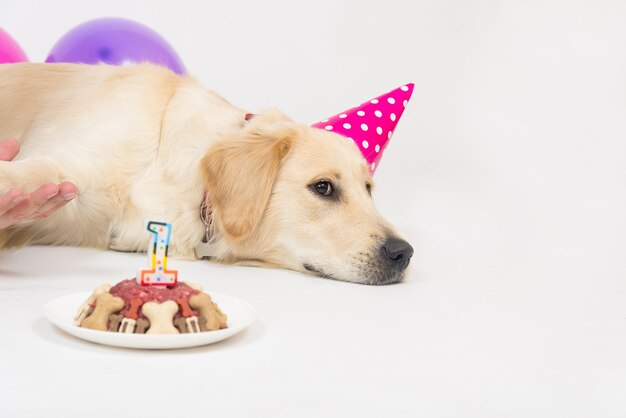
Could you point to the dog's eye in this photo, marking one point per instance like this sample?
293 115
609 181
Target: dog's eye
325 188
369 188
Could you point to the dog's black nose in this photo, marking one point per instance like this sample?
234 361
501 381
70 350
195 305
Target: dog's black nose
398 251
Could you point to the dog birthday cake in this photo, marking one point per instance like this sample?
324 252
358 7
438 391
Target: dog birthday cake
154 302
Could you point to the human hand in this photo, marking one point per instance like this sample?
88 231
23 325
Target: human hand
16 206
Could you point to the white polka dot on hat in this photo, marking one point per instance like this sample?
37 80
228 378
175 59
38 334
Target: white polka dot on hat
382 114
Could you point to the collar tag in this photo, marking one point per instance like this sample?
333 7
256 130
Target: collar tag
204 251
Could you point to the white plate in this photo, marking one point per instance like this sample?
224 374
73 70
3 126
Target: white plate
61 313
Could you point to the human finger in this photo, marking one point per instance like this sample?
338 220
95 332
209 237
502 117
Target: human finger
9 149
67 192
9 200
26 209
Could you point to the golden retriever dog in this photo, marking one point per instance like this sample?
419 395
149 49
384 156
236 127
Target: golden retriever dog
141 142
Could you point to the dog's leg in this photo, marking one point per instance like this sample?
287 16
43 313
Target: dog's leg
28 175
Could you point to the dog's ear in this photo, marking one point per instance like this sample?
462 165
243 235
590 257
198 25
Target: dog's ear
239 172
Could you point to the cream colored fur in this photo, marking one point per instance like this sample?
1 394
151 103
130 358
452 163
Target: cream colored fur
143 143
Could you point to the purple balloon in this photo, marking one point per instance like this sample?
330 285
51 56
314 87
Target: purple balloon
115 41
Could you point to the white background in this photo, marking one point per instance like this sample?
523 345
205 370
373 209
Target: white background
507 174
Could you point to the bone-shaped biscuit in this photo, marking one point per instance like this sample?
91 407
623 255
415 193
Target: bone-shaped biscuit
193 325
133 310
127 326
191 320
181 325
188 325
161 317
114 322
213 317
106 304
195 286
142 326
85 308
185 310
129 322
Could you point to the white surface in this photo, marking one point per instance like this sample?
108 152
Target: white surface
507 174
62 310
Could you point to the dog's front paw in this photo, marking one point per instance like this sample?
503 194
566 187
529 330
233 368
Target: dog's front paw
7 181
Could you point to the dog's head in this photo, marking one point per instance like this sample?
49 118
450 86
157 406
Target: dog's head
288 195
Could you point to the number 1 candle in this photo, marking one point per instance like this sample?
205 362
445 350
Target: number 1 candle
158 274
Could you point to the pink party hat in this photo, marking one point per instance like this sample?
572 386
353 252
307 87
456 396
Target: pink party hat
371 124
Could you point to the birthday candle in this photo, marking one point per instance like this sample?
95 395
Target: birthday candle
158 274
